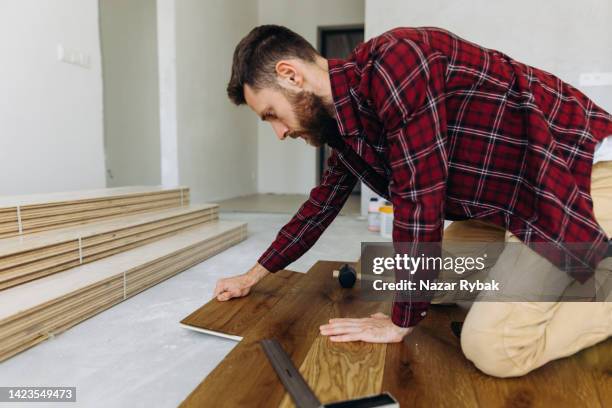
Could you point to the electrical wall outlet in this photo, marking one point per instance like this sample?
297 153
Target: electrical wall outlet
596 79
73 57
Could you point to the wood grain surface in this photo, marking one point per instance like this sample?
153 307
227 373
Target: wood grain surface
339 371
23 259
427 369
245 378
234 318
37 310
21 215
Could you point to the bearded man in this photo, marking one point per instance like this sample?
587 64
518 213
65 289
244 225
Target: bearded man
445 129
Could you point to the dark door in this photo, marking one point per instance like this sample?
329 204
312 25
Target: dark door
337 42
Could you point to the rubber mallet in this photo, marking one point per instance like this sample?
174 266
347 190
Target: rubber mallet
347 276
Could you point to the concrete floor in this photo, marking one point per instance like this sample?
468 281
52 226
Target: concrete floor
281 203
136 354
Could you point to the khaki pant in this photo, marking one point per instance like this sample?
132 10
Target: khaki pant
508 339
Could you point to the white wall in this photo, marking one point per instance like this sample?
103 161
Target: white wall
128 32
564 37
291 166
217 142
50 112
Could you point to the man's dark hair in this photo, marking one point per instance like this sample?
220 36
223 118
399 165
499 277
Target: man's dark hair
256 55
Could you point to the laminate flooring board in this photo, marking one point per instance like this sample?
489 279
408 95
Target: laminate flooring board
43 320
426 369
25 296
245 377
233 319
49 199
26 258
56 323
47 223
19 251
598 360
567 382
429 359
32 218
37 211
37 310
27 214
35 217
35 270
60 325
33 212
339 371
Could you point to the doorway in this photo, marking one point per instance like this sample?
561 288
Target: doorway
337 42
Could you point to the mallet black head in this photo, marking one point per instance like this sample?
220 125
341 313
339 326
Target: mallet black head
347 276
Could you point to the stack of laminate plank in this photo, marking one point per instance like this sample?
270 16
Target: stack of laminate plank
33 213
106 246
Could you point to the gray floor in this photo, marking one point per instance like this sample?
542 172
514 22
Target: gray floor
135 354
281 204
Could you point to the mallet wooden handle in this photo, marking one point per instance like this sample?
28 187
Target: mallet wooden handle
336 273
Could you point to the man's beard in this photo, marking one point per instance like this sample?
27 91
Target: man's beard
317 123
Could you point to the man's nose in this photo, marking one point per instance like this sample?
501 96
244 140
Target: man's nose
280 130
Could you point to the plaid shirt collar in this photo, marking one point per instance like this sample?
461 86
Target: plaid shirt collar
347 118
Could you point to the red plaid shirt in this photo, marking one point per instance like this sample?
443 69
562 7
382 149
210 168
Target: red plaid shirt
446 129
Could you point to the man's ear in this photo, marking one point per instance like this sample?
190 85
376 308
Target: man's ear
289 73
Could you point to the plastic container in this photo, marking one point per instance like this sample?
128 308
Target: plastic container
386 221
374 214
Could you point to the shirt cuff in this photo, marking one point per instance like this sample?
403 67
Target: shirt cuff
272 260
408 314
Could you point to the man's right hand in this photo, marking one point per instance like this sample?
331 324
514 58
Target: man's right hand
240 285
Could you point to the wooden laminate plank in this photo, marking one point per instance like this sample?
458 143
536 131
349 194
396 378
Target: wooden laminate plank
35 316
341 371
17 245
556 377
119 240
36 214
80 195
62 324
62 261
427 369
568 383
557 384
31 294
127 284
33 263
294 321
598 360
75 302
51 211
42 319
409 376
42 223
235 317
32 212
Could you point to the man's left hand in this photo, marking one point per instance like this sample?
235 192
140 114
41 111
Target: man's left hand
378 328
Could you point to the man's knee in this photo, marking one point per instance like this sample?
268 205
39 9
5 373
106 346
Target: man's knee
492 354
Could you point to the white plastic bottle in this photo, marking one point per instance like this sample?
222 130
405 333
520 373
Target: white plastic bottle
374 214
